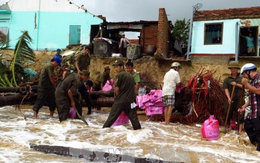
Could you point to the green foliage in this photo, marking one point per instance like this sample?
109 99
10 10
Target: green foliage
9 75
180 32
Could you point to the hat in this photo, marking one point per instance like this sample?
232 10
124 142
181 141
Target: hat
107 68
57 59
118 63
58 50
85 72
233 64
176 64
247 67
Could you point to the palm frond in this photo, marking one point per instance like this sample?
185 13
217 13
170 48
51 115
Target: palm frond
22 53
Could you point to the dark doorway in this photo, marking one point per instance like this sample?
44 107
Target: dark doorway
244 32
94 32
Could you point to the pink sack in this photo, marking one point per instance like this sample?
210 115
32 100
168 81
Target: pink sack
72 113
142 100
108 86
210 128
122 119
153 110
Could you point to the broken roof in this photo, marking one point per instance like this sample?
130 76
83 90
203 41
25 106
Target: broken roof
234 13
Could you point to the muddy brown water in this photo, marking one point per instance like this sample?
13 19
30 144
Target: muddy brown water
175 142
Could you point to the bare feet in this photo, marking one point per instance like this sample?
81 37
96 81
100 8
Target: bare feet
35 115
51 113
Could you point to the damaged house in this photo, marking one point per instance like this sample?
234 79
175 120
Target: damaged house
222 32
51 24
154 36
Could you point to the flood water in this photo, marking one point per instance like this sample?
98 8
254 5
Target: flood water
175 142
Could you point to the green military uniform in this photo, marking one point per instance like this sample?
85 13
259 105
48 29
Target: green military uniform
123 100
71 82
83 61
236 96
45 91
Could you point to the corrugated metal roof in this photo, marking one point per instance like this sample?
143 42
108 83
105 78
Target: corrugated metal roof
233 13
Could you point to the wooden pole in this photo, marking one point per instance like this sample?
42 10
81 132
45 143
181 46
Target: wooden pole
229 107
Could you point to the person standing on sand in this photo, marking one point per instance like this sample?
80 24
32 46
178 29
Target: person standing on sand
234 80
170 82
83 60
46 87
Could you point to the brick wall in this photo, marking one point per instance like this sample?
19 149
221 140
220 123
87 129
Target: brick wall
163 33
149 36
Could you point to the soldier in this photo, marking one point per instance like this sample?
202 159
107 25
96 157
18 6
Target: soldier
67 95
105 76
234 80
46 87
124 97
83 60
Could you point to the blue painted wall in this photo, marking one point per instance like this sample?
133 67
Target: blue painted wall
228 41
48 29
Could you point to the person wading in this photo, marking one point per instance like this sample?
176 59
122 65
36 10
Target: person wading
124 97
46 87
170 81
252 122
67 95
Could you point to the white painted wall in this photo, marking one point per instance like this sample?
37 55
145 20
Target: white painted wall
228 42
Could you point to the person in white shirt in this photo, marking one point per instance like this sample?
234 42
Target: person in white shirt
170 82
122 45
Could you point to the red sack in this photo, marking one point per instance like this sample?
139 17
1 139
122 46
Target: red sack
210 128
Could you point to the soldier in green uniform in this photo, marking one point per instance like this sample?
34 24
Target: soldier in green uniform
124 97
67 95
105 76
83 60
46 87
234 80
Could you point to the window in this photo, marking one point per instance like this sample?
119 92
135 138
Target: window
213 33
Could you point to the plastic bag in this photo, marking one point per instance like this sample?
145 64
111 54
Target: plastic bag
108 86
122 119
210 128
72 113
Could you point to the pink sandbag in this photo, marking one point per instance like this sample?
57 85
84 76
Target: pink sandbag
155 95
72 113
141 100
210 128
108 86
122 119
153 110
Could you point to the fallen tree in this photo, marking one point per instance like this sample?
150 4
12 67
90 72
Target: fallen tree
93 156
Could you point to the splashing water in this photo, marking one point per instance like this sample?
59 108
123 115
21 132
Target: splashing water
175 142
